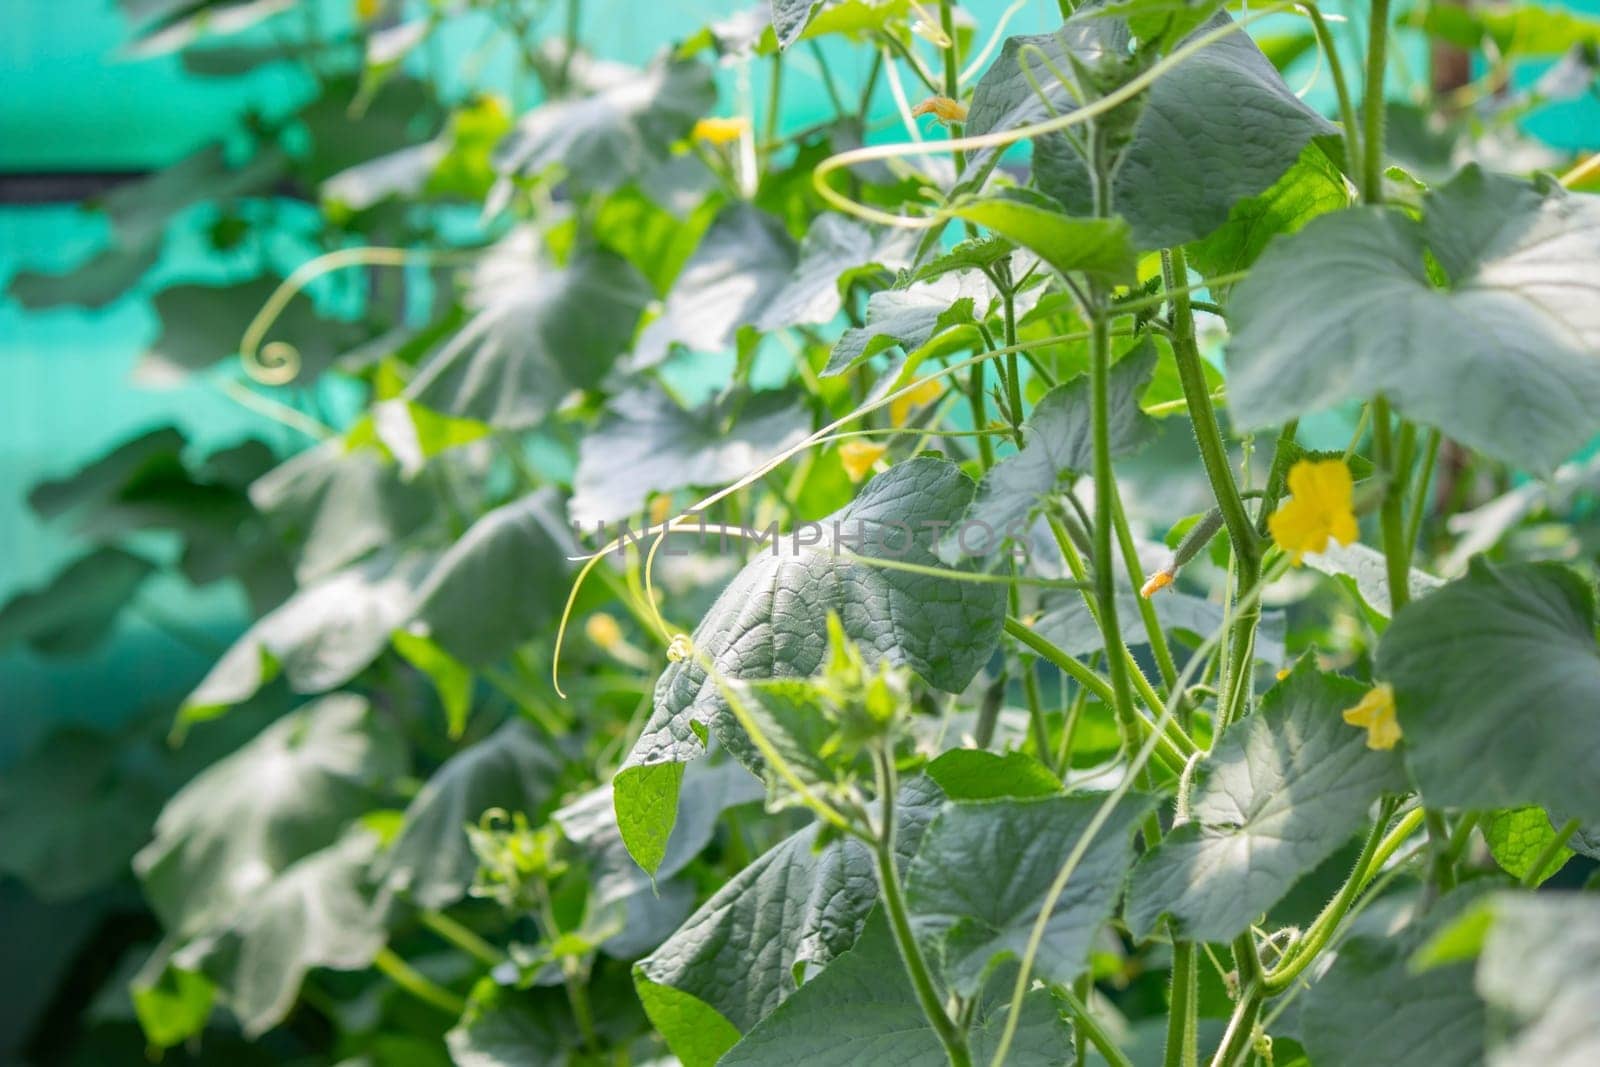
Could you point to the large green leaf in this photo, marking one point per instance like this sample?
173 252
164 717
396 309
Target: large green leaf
1312 187
432 862
861 1012
1504 355
536 335
793 910
911 318
981 874
1219 127
1282 790
1099 248
339 503
288 793
602 140
317 912
1058 446
771 622
837 252
740 267
318 639
1497 686
1540 968
501 583
646 443
509 1028
79 606
1373 999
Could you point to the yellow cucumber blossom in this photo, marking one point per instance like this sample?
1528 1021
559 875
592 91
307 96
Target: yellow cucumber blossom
603 630
858 457
1376 713
1320 507
943 108
927 392
660 509
720 130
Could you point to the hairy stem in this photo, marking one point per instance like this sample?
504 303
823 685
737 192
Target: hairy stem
1372 103
1181 1048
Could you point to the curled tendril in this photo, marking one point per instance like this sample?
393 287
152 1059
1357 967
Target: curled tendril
279 362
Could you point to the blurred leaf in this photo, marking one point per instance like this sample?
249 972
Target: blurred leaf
836 253
1518 837
1473 736
432 863
645 443
80 605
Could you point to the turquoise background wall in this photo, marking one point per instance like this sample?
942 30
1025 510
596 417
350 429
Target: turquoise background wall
71 105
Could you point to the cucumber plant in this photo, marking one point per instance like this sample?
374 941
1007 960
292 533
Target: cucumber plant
1074 553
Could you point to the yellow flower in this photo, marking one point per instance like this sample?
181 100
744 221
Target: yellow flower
1376 713
1319 508
941 107
720 131
367 10
660 509
857 458
603 630
927 392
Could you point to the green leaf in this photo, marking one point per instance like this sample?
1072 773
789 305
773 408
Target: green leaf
1465 663
1219 127
512 1028
1517 838
99 482
171 1004
432 862
1517 31
1160 22
138 213
696 1033
1538 970
501 584
795 20
980 877
1372 999
1312 187
975 253
741 266
1366 573
1059 445
646 443
451 678
79 607
339 504
910 318
317 912
318 639
619 132
1282 790
1068 624
1099 248
202 323
861 1011
771 622
247 818
974 774
1502 357
794 909
837 252
525 349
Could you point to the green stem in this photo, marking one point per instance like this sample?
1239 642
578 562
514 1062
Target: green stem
1419 497
975 401
774 104
1181 1046
952 70
1013 370
417 984
1396 559
1083 1020
1241 1028
1347 111
1372 103
1036 722
1277 474
1442 871
1374 853
953 1040
1147 611
462 938
1203 416
828 84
